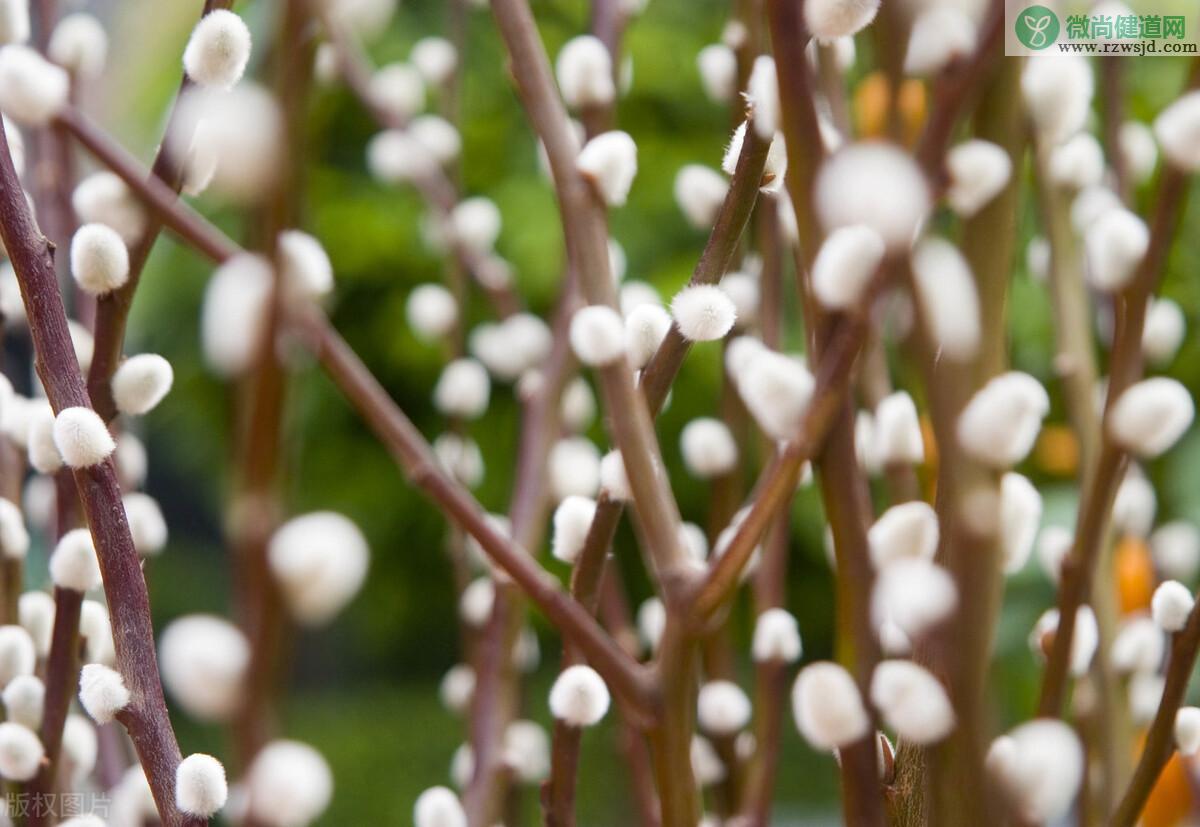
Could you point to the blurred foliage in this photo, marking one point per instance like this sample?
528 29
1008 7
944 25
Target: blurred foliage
365 688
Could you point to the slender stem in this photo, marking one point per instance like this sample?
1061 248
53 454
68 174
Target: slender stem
112 309
1126 368
146 717
1160 739
394 429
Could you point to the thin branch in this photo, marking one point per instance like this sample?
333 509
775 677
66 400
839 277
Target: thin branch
626 677
1160 739
146 717
112 309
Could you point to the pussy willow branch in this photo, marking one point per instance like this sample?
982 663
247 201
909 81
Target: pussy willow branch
112 309
1126 368
1160 739
434 186
626 677
146 717
584 226
397 432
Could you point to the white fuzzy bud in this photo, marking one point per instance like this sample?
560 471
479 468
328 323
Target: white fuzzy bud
103 198
14 21
43 453
82 437
457 688
773 170
476 223
905 531
463 389
613 479
141 382
1187 730
777 390
699 192
99 259
579 696
1089 205
218 50
21 752
873 184
914 594
526 751
1020 515
845 265
828 707
1178 131
609 161
80 747
14 538
1078 162
1138 646
234 314
978 171
1134 505
708 447
1000 423
1176 550
827 19
912 701
435 58
460 457
438 136
597 335
1040 765
95 628
949 300
645 328
24 701
776 637
651 621
203 660
1058 94
35 610
940 35
762 89
1171 605
304 264
1145 696
397 156
1164 330
722 708
1137 146
432 311
320 562
572 520
82 342
896 437
79 44
744 291
32 89
1116 243
1151 416
102 692
574 468
367 18
289 784
200 785
399 89
578 408
476 601
147 525
585 73
74 565
1084 640
634 293
241 132
707 766
438 807
717 64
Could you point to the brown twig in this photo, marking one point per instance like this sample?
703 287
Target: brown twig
146 717
1160 739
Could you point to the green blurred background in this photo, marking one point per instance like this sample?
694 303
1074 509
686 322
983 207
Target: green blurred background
364 689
